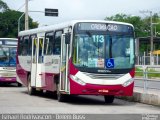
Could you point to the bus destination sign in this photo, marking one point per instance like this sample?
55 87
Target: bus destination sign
104 27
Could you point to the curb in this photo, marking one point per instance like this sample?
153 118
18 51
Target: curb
150 99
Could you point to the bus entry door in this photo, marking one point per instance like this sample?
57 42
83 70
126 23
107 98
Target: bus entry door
37 79
64 83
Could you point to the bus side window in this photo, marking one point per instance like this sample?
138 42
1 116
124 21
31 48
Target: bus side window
25 49
57 42
20 47
48 43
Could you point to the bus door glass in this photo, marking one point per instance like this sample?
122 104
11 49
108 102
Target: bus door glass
41 47
34 61
34 49
37 62
64 65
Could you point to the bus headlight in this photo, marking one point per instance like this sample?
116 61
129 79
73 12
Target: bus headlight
77 80
128 82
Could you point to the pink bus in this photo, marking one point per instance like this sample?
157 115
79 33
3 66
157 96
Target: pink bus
8 48
85 57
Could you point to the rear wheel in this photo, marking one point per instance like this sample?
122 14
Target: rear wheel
31 90
109 98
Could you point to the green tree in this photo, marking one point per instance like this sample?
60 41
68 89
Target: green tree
9 23
142 26
3 6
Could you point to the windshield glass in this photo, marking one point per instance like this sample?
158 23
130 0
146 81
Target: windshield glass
8 56
97 50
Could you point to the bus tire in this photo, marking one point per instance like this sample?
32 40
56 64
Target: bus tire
60 96
31 90
19 84
109 99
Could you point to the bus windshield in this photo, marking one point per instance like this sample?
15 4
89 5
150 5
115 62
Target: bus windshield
95 49
7 56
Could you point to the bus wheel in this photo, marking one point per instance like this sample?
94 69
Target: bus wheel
19 84
109 98
60 96
31 90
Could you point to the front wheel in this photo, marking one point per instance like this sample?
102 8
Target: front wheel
31 90
19 84
109 98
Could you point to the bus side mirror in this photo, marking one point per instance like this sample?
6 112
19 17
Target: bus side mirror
67 38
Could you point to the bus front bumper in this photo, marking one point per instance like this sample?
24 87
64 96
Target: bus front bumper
92 89
8 79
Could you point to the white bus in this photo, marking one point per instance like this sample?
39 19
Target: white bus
8 48
86 57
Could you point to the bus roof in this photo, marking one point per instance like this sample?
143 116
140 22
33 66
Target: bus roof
63 25
8 39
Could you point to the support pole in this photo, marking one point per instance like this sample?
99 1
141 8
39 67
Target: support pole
26 15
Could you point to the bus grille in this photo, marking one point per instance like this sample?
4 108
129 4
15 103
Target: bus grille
103 76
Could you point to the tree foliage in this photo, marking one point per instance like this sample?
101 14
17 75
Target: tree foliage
141 25
9 21
3 6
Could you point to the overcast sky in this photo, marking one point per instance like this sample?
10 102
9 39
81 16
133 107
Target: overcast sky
84 9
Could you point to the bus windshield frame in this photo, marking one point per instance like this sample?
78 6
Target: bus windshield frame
103 47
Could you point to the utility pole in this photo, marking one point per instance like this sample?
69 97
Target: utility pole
151 59
26 15
151 37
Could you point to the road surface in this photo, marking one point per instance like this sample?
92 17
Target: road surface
15 99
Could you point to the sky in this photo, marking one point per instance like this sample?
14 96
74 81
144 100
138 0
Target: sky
84 9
